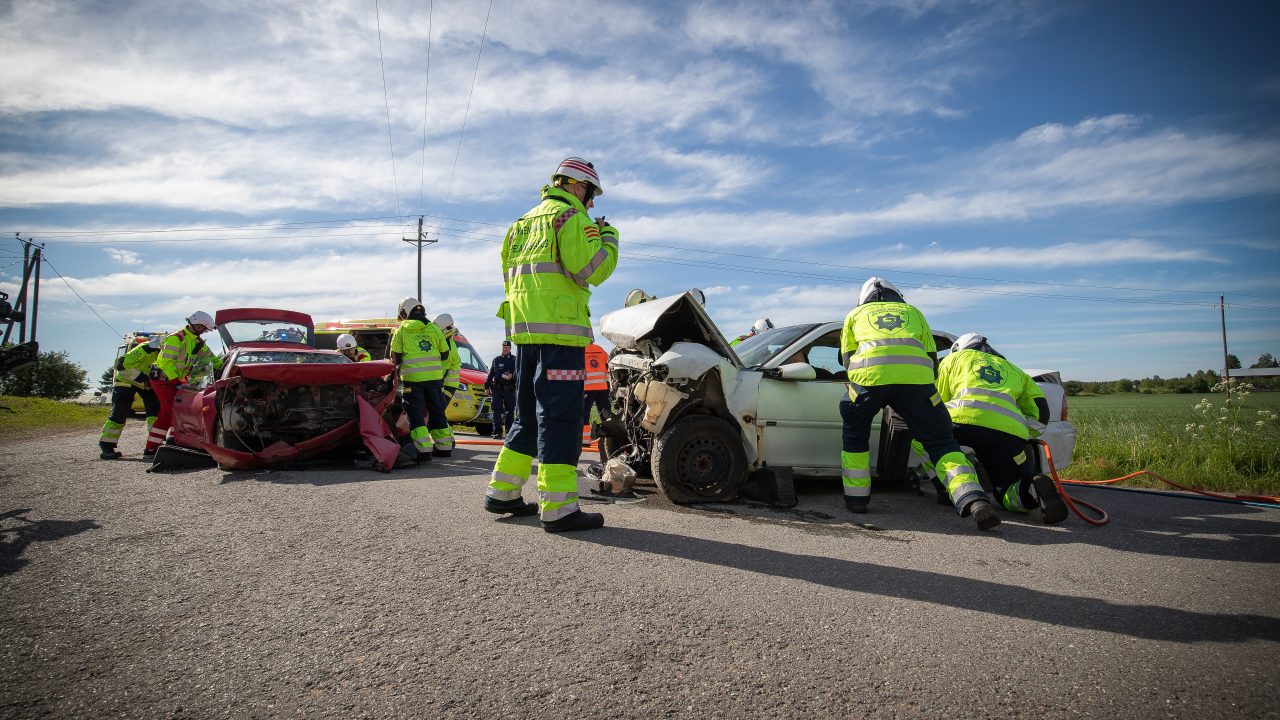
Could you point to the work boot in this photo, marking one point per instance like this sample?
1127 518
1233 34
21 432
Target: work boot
109 452
516 507
149 454
578 520
498 436
983 514
441 453
856 505
1051 504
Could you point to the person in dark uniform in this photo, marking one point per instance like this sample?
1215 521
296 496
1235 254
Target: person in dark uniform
501 386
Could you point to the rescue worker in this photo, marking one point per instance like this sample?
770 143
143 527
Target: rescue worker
761 325
500 384
347 346
889 353
453 365
419 350
181 354
131 378
550 258
995 409
595 388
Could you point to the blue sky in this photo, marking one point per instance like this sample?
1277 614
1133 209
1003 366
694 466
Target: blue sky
1076 180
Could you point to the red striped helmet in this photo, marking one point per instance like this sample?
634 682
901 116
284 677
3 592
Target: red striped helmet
575 168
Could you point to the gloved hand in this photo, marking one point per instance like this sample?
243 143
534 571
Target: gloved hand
157 374
601 222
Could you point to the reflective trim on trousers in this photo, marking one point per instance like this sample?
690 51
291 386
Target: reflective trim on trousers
550 497
510 473
111 432
497 494
1012 499
548 515
552 329
544 268
855 364
988 393
960 480
988 407
885 342
855 473
596 261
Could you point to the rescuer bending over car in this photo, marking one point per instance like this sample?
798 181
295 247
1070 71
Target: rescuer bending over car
550 258
181 352
131 377
419 351
995 408
889 352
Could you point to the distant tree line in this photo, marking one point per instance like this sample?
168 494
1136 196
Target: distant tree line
1201 381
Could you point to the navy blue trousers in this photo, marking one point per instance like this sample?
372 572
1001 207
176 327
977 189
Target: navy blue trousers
549 403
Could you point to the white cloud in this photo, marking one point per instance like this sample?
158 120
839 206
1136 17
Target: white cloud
124 257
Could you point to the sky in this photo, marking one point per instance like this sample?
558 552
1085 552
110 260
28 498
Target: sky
1078 181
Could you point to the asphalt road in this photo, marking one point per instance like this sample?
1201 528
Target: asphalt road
349 593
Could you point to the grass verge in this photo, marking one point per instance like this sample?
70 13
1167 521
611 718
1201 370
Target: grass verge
1202 441
23 416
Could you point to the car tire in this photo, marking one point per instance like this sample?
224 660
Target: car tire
483 429
892 472
699 459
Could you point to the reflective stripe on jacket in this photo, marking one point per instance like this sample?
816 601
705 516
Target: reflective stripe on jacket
550 258
181 353
452 364
988 391
135 364
887 343
597 368
419 345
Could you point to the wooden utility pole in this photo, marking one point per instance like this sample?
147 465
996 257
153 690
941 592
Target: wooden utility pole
1226 364
421 240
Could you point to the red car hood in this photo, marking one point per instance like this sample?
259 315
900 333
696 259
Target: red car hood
290 374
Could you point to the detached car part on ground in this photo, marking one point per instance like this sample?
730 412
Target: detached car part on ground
469 406
278 399
710 421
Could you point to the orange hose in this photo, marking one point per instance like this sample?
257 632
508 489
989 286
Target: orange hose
1104 518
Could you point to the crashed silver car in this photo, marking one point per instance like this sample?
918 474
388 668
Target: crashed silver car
710 421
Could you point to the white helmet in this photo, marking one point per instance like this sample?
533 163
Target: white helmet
637 296
407 305
201 317
346 341
580 170
966 341
700 296
872 285
444 321
762 325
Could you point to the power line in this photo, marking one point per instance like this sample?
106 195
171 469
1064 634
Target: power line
395 184
73 290
396 231
153 231
422 174
463 131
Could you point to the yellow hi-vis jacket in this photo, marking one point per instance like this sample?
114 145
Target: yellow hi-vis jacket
988 391
132 367
182 352
550 258
420 346
887 343
452 364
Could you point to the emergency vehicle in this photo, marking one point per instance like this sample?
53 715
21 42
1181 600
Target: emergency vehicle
469 405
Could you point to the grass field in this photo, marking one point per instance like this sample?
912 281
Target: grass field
23 416
1196 440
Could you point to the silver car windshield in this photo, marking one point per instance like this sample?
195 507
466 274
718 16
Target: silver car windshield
759 349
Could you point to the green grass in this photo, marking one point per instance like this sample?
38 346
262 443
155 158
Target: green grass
23 415
1195 440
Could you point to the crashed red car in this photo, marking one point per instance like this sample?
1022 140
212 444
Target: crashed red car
278 399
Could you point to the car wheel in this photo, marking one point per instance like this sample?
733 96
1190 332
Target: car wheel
699 459
483 429
892 472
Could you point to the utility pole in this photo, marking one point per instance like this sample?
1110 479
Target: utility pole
421 240
1226 365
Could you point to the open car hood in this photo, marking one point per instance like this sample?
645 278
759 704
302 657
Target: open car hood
292 374
268 314
665 322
